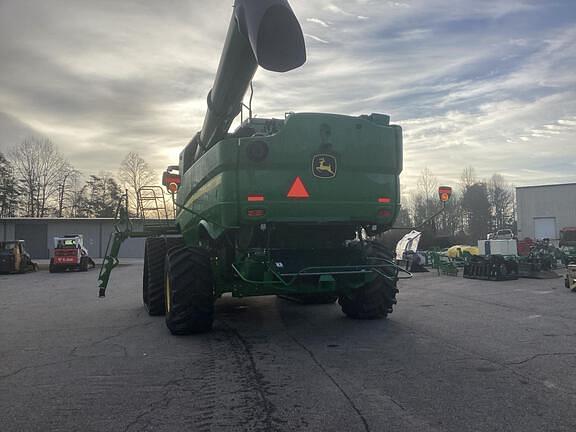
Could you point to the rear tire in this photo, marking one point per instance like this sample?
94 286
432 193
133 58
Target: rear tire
153 277
375 299
189 291
83 264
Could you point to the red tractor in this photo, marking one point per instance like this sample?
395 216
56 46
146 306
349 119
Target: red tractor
70 254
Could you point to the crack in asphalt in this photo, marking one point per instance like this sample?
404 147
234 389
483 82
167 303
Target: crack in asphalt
535 356
504 365
119 333
510 307
16 372
338 386
72 352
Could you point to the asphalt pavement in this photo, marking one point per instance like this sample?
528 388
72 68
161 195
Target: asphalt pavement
456 355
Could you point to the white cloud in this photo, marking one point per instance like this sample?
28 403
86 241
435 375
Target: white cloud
135 77
317 21
316 38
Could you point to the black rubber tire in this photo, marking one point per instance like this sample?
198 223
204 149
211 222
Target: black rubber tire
145 281
83 264
314 299
155 250
377 298
189 291
153 276
52 268
172 242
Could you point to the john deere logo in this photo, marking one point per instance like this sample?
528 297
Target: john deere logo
324 166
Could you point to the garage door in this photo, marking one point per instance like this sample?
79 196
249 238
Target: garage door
545 228
36 236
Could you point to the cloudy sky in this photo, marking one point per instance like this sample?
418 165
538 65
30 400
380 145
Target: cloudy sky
490 84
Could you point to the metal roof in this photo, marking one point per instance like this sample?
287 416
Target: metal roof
548 185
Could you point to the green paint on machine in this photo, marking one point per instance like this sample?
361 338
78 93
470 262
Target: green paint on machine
281 206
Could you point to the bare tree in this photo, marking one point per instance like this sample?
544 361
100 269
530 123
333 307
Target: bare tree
74 197
427 185
501 200
66 183
135 173
468 178
39 166
8 189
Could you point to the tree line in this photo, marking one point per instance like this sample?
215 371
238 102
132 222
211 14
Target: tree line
36 180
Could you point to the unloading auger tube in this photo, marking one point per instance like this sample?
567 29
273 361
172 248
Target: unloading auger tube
262 33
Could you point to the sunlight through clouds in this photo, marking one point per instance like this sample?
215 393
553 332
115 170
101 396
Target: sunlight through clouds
485 83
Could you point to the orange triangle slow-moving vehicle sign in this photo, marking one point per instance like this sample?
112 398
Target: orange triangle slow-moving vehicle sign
298 190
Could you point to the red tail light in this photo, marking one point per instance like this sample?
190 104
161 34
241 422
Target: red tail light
384 200
384 213
256 213
255 198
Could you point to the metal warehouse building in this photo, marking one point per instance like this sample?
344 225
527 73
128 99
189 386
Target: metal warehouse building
544 210
39 234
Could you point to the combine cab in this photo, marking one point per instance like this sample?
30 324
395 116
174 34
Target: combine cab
70 254
14 258
280 206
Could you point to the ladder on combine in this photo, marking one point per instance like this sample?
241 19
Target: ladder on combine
156 215
156 219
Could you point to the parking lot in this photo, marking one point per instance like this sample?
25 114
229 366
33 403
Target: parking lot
456 355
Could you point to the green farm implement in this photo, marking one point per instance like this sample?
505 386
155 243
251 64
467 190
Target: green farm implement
541 262
568 245
491 267
279 206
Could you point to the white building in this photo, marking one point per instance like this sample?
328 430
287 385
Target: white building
544 210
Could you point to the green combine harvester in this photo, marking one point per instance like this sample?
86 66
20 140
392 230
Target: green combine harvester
278 207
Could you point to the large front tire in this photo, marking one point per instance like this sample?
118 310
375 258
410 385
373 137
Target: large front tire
189 291
375 299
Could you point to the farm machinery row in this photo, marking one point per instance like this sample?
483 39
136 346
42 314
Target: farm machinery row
69 253
499 259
